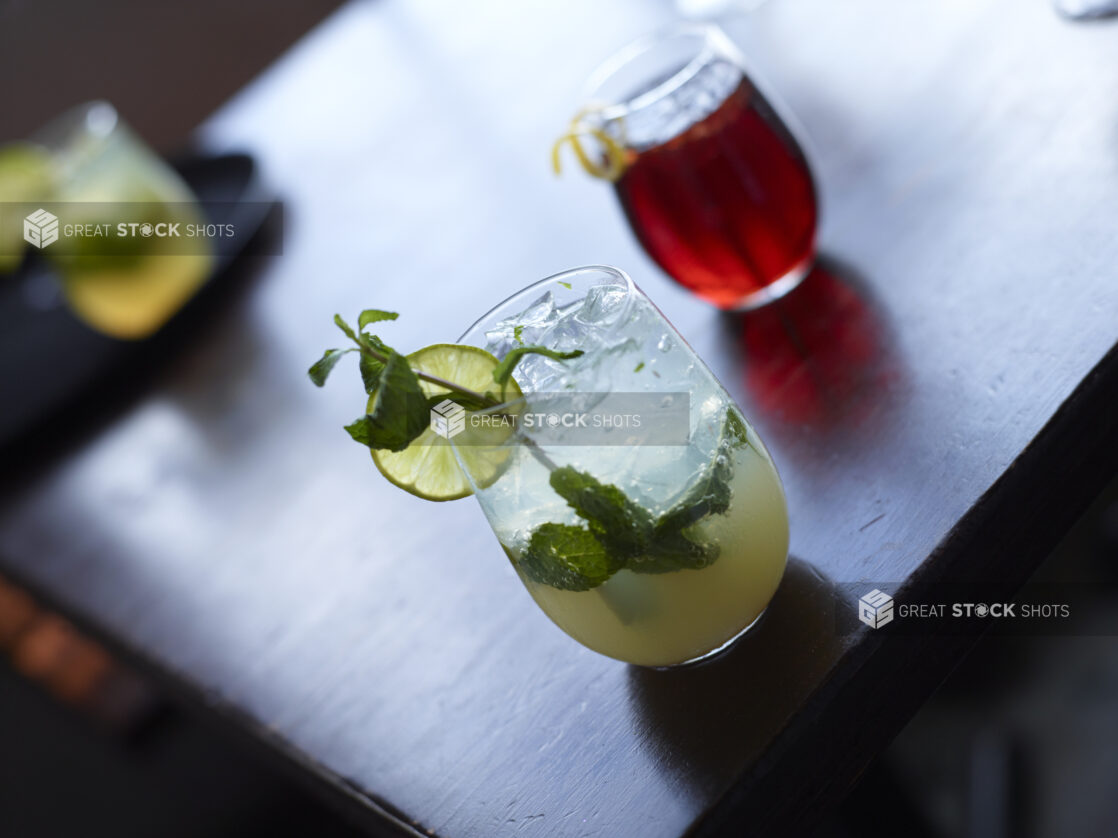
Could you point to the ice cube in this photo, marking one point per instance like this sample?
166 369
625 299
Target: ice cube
670 115
524 328
602 305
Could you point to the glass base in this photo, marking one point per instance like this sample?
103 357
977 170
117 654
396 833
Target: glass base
775 290
1087 9
713 653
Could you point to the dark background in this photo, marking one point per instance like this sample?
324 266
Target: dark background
165 66
74 763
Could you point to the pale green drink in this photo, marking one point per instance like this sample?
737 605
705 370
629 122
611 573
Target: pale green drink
674 594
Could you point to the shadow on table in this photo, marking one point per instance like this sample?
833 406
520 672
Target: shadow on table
708 720
821 358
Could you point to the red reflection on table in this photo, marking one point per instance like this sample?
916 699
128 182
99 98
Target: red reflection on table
818 356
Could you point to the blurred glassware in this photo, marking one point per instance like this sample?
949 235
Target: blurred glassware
710 9
124 286
1086 9
714 184
26 176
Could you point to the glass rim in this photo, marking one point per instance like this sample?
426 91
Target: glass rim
708 36
63 127
630 291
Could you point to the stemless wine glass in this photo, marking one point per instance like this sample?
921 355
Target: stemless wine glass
105 176
713 183
1087 9
651 544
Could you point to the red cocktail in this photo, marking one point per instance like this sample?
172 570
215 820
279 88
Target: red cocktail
712 182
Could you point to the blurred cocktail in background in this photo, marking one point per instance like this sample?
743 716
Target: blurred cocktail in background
124 286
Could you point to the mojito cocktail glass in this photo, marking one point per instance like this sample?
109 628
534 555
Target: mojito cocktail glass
693 533
125 287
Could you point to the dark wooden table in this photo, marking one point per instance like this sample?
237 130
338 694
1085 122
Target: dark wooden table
941 399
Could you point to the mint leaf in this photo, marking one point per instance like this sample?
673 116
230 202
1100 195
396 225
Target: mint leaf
733 428
374 315
708 495
320 370
399 409
347 330
672 547
518 333
628 533
674 550
362 431
566 557
623 526
503 371
372 368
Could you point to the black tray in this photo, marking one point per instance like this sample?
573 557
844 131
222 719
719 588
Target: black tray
48 357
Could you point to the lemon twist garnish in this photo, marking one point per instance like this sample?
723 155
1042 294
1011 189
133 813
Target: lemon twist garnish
616 160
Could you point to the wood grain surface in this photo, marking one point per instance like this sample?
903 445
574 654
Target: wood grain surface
941 398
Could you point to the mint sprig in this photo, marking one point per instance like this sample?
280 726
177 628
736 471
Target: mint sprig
401 410
370 363
628 533
623 526
567 557
514 356
320 370
708 495
374 315
673 550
